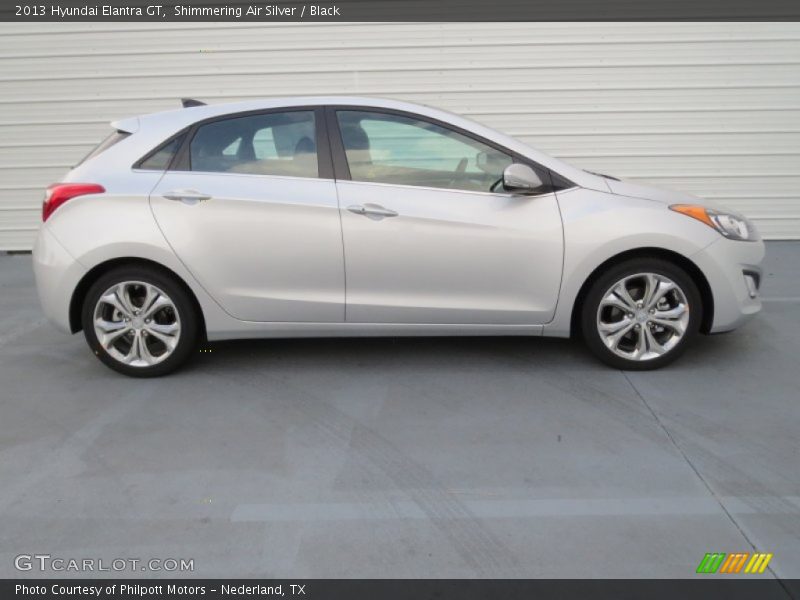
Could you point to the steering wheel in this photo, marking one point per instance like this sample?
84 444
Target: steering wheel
460 169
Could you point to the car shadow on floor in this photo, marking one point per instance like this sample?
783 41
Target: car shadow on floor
408 351
424 352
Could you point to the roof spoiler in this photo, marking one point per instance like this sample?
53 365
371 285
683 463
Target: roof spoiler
190 102
129 125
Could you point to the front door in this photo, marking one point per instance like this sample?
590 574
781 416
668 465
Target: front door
430 237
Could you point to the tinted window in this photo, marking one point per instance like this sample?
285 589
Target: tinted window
388 148
270 144
112 139
160 159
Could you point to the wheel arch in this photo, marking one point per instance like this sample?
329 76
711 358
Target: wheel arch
697 275
79 294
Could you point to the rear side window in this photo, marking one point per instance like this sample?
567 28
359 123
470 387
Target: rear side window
161 157
112 139
281 143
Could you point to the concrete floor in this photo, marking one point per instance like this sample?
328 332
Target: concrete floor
404 458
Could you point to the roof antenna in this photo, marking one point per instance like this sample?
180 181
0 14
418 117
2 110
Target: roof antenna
190 102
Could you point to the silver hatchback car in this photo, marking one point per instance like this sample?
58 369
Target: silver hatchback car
339 216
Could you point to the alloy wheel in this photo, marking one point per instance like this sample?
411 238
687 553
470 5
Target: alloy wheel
137 323
643 316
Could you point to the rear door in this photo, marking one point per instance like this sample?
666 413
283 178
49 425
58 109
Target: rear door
250 208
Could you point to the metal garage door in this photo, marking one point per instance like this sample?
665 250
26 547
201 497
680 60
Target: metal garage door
709 108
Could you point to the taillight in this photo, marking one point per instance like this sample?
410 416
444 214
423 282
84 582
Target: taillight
58 193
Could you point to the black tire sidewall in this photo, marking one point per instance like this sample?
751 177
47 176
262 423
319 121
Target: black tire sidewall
180 298
630 267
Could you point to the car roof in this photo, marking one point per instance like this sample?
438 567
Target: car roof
200 112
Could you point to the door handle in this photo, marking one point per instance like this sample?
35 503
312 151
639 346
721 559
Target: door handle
372 211
187 196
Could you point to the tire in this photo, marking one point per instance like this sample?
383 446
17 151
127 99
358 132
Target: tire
131 338
642 331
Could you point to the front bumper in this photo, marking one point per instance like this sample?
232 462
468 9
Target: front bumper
727 265
57 275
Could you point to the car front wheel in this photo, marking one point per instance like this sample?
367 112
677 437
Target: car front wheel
140 322
641 314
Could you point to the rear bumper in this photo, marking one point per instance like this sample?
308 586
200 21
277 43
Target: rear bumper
727 265
57 275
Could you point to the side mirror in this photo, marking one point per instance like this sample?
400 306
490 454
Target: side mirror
521 178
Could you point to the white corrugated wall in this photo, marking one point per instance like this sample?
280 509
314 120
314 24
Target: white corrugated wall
708 108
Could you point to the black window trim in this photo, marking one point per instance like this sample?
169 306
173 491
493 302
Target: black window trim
341 167
331 159
181 161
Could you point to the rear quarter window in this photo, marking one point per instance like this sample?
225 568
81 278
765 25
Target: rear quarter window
160 158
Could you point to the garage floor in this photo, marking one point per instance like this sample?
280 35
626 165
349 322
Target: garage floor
470 457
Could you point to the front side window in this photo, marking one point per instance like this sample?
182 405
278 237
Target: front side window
388 148
269 144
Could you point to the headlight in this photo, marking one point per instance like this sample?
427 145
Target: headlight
730 225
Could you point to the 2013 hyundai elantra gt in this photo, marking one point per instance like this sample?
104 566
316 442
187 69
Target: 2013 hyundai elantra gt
340 216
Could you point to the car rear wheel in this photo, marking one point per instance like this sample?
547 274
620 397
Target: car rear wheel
140 322
641 314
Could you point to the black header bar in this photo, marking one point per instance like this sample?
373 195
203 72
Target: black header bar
707 588
399 10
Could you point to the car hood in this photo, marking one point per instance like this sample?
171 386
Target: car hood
636 190
646 192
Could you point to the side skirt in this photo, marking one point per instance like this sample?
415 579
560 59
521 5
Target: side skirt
251 329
